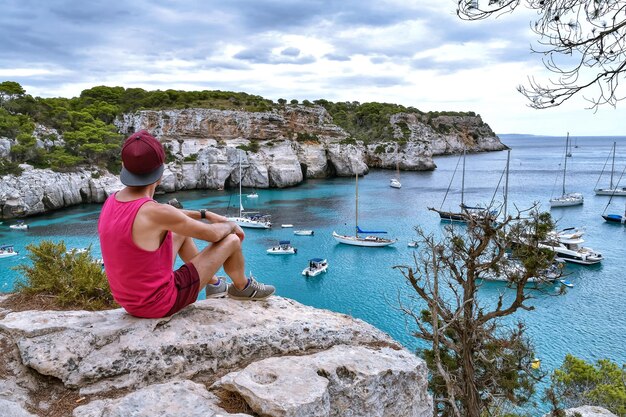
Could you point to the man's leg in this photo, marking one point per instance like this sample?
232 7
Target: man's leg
226 252
186 248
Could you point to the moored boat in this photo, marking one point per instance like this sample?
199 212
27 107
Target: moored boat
20 225
567 246
303 232
613 190
251 220
316 267
566 199
7 251
283 248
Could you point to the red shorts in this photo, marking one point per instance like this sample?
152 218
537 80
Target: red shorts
187 283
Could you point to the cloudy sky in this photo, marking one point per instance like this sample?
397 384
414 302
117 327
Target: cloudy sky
412 52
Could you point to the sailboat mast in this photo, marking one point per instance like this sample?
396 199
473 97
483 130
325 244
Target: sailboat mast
240 181
613 165
506 183
463 181
565 165
356 201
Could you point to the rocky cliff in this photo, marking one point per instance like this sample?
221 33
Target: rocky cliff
214 358
280 148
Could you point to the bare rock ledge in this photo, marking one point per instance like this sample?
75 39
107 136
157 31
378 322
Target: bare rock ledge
281 357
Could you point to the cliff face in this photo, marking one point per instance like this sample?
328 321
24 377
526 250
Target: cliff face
281 148
279 357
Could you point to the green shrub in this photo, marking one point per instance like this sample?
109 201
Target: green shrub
252 147
191 158
348 141
9 167
307 137
380 149
73 280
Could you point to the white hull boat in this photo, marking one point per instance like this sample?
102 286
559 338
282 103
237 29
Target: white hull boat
286 226
566 200
413 244
316 267
284 248
252 195
567 245
303 232
394 183
251 223
514 268
368 241
6 251
613 192
76 251
19 226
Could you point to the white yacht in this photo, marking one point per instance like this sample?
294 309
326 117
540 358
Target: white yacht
512 268
20 225
303 232
567 245
394 183
613 190
251 220
283 248
316 267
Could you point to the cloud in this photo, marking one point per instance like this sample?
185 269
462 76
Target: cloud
291 51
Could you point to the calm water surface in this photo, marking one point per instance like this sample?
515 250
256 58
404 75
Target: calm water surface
589 321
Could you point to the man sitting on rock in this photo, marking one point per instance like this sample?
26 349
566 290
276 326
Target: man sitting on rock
140 239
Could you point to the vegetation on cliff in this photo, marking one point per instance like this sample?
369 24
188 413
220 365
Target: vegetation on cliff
81 130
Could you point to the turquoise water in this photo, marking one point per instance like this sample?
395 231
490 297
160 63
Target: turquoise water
589 321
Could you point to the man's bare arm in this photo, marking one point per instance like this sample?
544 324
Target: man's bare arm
210 216
166 217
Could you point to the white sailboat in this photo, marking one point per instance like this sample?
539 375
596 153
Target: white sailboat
249 220
395 182
371 240
612 190
566 199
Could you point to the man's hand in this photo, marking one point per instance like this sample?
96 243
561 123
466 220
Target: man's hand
239 232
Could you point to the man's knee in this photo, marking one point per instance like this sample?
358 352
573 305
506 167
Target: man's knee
232 241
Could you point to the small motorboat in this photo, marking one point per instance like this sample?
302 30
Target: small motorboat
20 225
316 267
252 195
394 183
286 225
284 248
413 244
303 232
7 251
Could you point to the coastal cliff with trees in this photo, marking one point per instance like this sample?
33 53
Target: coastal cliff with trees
56 152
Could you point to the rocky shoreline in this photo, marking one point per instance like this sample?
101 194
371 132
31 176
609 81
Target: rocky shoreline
278 358
276 149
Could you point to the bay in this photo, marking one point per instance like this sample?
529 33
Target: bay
588 321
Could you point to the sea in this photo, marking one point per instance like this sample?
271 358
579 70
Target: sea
588 320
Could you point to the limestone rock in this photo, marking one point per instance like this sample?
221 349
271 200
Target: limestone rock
342 381
16 382
11 409
586 411
173 399
99 351
5 147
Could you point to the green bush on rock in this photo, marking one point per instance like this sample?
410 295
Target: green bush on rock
72 280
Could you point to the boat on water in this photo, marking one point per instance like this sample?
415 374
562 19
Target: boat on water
316 267
303 232
371 240
567 246
395 182
612 190
413 244
283 248
253 194
251 220
511 269
615 218
7 251
566 199
20 225
466 212
286 226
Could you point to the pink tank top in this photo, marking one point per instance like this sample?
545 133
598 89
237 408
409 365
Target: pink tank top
141 281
